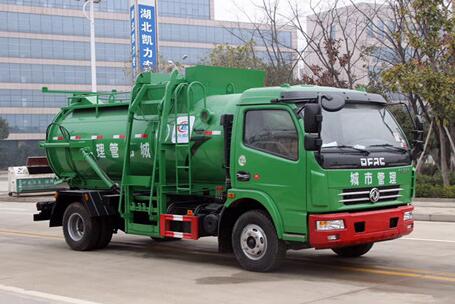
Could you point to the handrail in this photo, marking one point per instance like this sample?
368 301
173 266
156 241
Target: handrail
204 92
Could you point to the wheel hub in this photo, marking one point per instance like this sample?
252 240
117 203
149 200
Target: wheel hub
76 227
253 242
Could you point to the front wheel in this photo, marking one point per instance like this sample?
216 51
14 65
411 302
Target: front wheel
353 251
255 242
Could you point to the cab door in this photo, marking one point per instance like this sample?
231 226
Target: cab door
269 158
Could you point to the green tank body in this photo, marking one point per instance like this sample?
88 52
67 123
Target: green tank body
100 127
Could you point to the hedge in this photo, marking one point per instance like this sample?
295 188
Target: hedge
431 186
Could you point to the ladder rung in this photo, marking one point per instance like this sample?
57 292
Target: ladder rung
183 189
151 102
145 197
183 167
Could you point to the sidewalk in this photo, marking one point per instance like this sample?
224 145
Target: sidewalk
434 210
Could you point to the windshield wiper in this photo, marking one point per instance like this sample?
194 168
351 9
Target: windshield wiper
403 150
366 152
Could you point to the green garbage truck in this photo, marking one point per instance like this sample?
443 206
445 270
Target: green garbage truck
212 152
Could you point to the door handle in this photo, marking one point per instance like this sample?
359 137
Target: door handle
243 176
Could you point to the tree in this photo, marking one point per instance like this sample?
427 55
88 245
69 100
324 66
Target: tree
430 74
4 129
268 44
242 56
334 43
414 52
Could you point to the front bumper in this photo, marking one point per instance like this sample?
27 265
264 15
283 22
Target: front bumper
360 227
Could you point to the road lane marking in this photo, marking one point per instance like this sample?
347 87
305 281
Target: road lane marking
428 240
13 209
29 234
391 271
15 213
401 272
43 295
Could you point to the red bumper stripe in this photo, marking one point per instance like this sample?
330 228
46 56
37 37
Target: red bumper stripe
360 227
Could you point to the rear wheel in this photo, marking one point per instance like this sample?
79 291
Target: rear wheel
255 242
353 251
82 232
107 229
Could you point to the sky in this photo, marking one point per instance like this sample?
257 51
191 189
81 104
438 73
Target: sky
229 9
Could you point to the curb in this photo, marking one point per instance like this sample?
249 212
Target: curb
434 217
436 200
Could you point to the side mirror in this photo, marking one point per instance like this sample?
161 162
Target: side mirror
312 142
333 103
312 118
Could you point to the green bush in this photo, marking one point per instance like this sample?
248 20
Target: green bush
429 184
433 190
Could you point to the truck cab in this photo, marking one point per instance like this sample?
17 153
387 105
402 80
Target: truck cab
332 168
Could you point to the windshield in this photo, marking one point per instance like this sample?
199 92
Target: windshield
363 126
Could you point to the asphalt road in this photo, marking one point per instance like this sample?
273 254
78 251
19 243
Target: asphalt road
37 267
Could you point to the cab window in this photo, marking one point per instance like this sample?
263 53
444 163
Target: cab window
271 131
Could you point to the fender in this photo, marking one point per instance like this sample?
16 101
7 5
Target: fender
265 200
98 203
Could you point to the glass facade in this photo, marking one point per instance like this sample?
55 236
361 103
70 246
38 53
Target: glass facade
58 49
28 123
60 74
31 99
196 9
61 25
76 26
216 35
22 30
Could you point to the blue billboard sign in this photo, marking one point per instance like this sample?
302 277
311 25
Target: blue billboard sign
144 47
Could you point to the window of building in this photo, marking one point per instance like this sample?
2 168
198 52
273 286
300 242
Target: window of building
271 131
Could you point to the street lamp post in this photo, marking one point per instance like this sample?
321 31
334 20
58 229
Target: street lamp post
91 18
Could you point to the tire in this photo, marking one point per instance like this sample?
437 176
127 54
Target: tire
107 229
353 251
75 219
255 242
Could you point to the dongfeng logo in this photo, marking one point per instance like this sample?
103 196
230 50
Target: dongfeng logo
372 161
374 195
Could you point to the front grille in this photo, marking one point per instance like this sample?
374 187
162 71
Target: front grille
362 195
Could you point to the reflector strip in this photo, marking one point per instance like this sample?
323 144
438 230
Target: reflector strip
177 218
140 135
76 137
57 138
210 132
119 136
97 137
165 227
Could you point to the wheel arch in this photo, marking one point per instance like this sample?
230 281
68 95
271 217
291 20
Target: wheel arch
94 201
233 209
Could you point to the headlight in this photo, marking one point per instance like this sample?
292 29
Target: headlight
407 216
330 225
